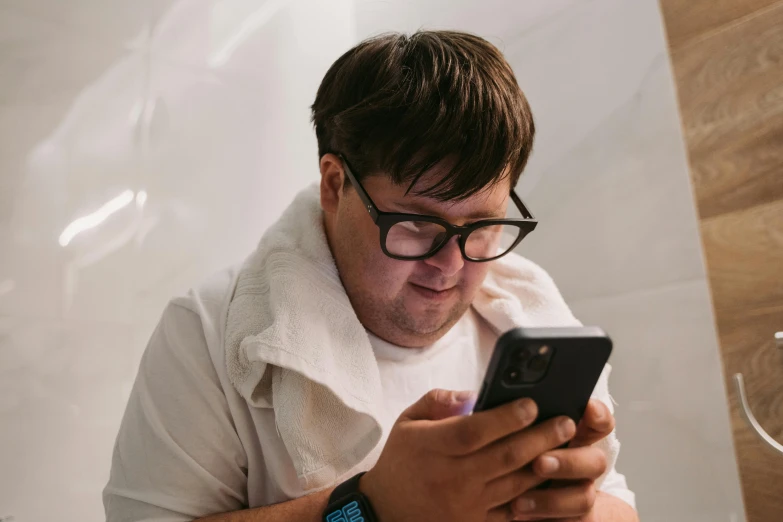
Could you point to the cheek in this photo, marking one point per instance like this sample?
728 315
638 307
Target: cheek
474 274
359 236
381 275
390 274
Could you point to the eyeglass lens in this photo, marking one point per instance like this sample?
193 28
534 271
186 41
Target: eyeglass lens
419 238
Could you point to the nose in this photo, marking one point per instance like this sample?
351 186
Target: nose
449 258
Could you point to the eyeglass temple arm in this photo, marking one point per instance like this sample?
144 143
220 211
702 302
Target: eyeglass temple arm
363 195
521 206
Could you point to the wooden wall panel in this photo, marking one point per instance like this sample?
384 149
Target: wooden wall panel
730 88
692 19
744 252
727 57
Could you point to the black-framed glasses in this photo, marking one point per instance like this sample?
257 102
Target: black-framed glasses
413 237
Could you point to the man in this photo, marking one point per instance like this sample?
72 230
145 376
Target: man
266 394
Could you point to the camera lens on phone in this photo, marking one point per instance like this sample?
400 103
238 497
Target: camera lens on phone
537 364
513 375
522 355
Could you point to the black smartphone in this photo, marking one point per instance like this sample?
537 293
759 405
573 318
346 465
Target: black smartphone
556 367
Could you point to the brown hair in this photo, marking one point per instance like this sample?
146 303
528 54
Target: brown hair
400 105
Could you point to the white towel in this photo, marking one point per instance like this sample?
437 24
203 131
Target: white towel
293 342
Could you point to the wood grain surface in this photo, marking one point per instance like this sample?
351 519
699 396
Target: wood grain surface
687 20
744 252
731 100
749 348
727 57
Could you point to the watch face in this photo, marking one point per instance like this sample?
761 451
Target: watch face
348 509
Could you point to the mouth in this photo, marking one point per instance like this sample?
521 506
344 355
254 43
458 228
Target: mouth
434 294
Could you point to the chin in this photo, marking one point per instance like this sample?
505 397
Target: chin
433 321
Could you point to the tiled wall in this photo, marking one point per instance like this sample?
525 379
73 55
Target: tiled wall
179 130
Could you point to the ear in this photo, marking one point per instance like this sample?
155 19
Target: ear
332 179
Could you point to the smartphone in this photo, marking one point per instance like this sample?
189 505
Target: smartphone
556 367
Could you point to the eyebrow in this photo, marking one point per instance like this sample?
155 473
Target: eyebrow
418 208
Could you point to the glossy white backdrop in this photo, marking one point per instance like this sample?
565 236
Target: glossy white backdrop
145 144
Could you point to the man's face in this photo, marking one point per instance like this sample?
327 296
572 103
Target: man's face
408 303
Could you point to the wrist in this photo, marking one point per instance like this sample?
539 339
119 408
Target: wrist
368 488
349 501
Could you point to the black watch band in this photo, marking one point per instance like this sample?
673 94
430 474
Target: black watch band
349 486
348 504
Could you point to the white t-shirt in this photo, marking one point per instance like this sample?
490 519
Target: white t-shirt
190 445
457 361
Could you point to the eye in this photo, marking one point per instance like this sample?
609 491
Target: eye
420 227
410 226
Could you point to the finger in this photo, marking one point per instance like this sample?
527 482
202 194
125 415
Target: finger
438 404
503 490
467 434
571 501
596 423
518 450
587 462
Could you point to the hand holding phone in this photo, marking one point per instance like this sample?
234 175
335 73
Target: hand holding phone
558 368
439 464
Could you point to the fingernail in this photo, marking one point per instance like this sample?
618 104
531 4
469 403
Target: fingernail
548 465
566 428
524 505
599 412
526 409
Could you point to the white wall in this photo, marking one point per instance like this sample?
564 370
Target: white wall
196 112
202 105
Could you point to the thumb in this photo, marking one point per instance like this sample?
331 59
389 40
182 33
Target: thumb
439 404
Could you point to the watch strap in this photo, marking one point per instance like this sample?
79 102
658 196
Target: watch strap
349 486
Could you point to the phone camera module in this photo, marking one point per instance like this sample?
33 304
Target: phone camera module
537 364
514 375
527 365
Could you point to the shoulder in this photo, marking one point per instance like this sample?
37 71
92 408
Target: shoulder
180 418
516 291
523 269
212 292
528 280
191 327
207 303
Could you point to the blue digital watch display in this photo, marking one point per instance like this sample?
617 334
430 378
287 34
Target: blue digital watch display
347 504
350 510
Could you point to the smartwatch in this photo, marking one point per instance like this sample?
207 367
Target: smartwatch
348 504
